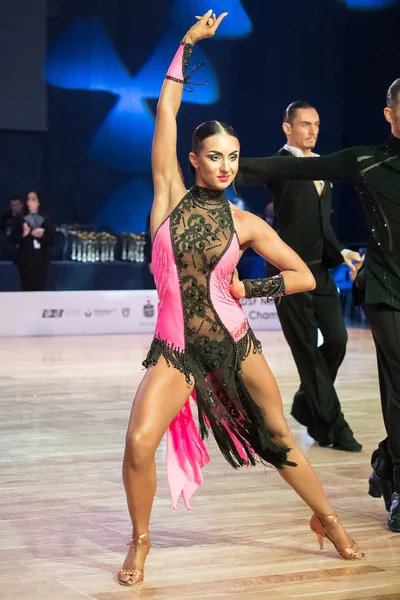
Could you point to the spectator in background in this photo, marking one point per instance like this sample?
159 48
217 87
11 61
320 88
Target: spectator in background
6 223
33 235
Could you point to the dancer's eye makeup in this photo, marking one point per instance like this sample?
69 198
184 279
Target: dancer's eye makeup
214 155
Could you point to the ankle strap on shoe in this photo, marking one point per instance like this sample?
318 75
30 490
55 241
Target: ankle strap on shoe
323 518
140 539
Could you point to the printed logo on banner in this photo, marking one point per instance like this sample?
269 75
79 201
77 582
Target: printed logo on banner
148 309
52 313
125 312
101 312
105 312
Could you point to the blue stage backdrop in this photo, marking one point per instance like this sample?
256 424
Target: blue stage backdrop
104 69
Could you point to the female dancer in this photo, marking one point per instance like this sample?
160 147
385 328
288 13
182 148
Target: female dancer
202 332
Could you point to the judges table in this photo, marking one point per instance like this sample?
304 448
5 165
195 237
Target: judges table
72 275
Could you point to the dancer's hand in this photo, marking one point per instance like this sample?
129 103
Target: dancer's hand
351 257
237 287
205 27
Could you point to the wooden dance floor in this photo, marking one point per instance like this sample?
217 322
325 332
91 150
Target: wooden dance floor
64 407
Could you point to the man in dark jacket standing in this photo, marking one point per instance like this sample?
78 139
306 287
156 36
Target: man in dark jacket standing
302 220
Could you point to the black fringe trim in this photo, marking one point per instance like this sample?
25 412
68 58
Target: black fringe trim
173 356
252 433
226 390
245 346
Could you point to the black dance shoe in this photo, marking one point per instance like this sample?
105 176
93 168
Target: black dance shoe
379 487
347 442
325 439
394 515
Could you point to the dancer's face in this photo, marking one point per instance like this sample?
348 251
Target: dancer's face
303 132
392 115
217 162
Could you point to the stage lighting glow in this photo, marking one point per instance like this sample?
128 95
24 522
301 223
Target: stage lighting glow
368 4
85 58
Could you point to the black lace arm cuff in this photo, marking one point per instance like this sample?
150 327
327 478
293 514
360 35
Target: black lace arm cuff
270 288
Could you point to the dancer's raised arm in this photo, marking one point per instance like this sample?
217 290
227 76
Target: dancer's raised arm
168 185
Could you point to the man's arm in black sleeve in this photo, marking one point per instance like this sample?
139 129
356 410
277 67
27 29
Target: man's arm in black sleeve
243 179
341 166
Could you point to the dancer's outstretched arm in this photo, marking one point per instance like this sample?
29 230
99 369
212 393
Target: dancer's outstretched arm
340 166
168 184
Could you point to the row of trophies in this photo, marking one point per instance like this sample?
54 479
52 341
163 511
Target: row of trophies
89 246
133 246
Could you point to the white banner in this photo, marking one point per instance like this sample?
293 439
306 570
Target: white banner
77 313
99 312
261 314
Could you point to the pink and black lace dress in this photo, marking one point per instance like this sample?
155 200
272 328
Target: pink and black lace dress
202 331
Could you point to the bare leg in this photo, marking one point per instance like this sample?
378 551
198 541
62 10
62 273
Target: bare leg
159 398
263 388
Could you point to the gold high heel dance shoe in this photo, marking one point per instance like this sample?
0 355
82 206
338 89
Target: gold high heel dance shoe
322 531
134 576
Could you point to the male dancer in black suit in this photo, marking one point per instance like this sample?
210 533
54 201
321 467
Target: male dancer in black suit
375 172
302 219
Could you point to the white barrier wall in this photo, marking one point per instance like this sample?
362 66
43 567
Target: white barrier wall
261 314
96 312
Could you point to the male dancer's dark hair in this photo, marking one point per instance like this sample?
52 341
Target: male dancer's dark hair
393 94
291 111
